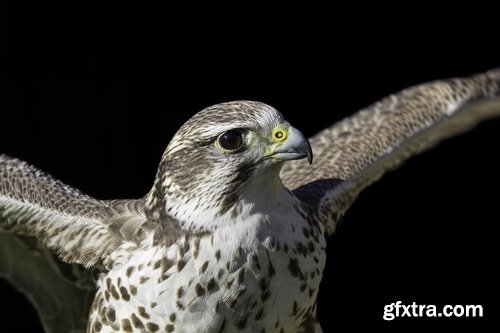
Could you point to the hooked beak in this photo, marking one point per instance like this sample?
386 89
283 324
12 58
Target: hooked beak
295 147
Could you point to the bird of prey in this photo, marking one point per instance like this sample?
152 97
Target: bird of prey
232 235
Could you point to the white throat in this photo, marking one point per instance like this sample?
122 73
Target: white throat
203 212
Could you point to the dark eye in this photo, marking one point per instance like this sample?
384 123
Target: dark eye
230 140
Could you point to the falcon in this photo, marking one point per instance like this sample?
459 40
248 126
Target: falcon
232 235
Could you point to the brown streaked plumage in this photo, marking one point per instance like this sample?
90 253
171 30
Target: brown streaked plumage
173 242
357 151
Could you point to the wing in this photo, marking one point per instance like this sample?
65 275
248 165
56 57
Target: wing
357 151
36 209
72 224
61 293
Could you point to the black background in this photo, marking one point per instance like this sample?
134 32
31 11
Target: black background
92 94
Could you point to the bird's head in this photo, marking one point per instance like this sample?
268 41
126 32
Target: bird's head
224 154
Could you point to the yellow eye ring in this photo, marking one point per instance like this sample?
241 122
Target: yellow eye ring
280 134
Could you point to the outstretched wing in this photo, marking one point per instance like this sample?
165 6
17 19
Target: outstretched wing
358 150
72 224
37 209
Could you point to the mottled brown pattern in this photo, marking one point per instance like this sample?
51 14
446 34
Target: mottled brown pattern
126 326
34 196
142 312
358 150
152 327
200 291
136 322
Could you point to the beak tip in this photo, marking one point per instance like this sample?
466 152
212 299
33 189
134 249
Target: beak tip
309 152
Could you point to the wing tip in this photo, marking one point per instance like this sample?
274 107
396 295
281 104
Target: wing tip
494 73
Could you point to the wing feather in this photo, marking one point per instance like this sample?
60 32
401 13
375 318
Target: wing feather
357 151
38 209
72 224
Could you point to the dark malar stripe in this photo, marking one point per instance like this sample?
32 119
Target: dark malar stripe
231 195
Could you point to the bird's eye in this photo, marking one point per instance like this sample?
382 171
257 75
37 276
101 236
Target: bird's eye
280 134
230 140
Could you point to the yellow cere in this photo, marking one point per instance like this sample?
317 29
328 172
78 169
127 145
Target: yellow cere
279 134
